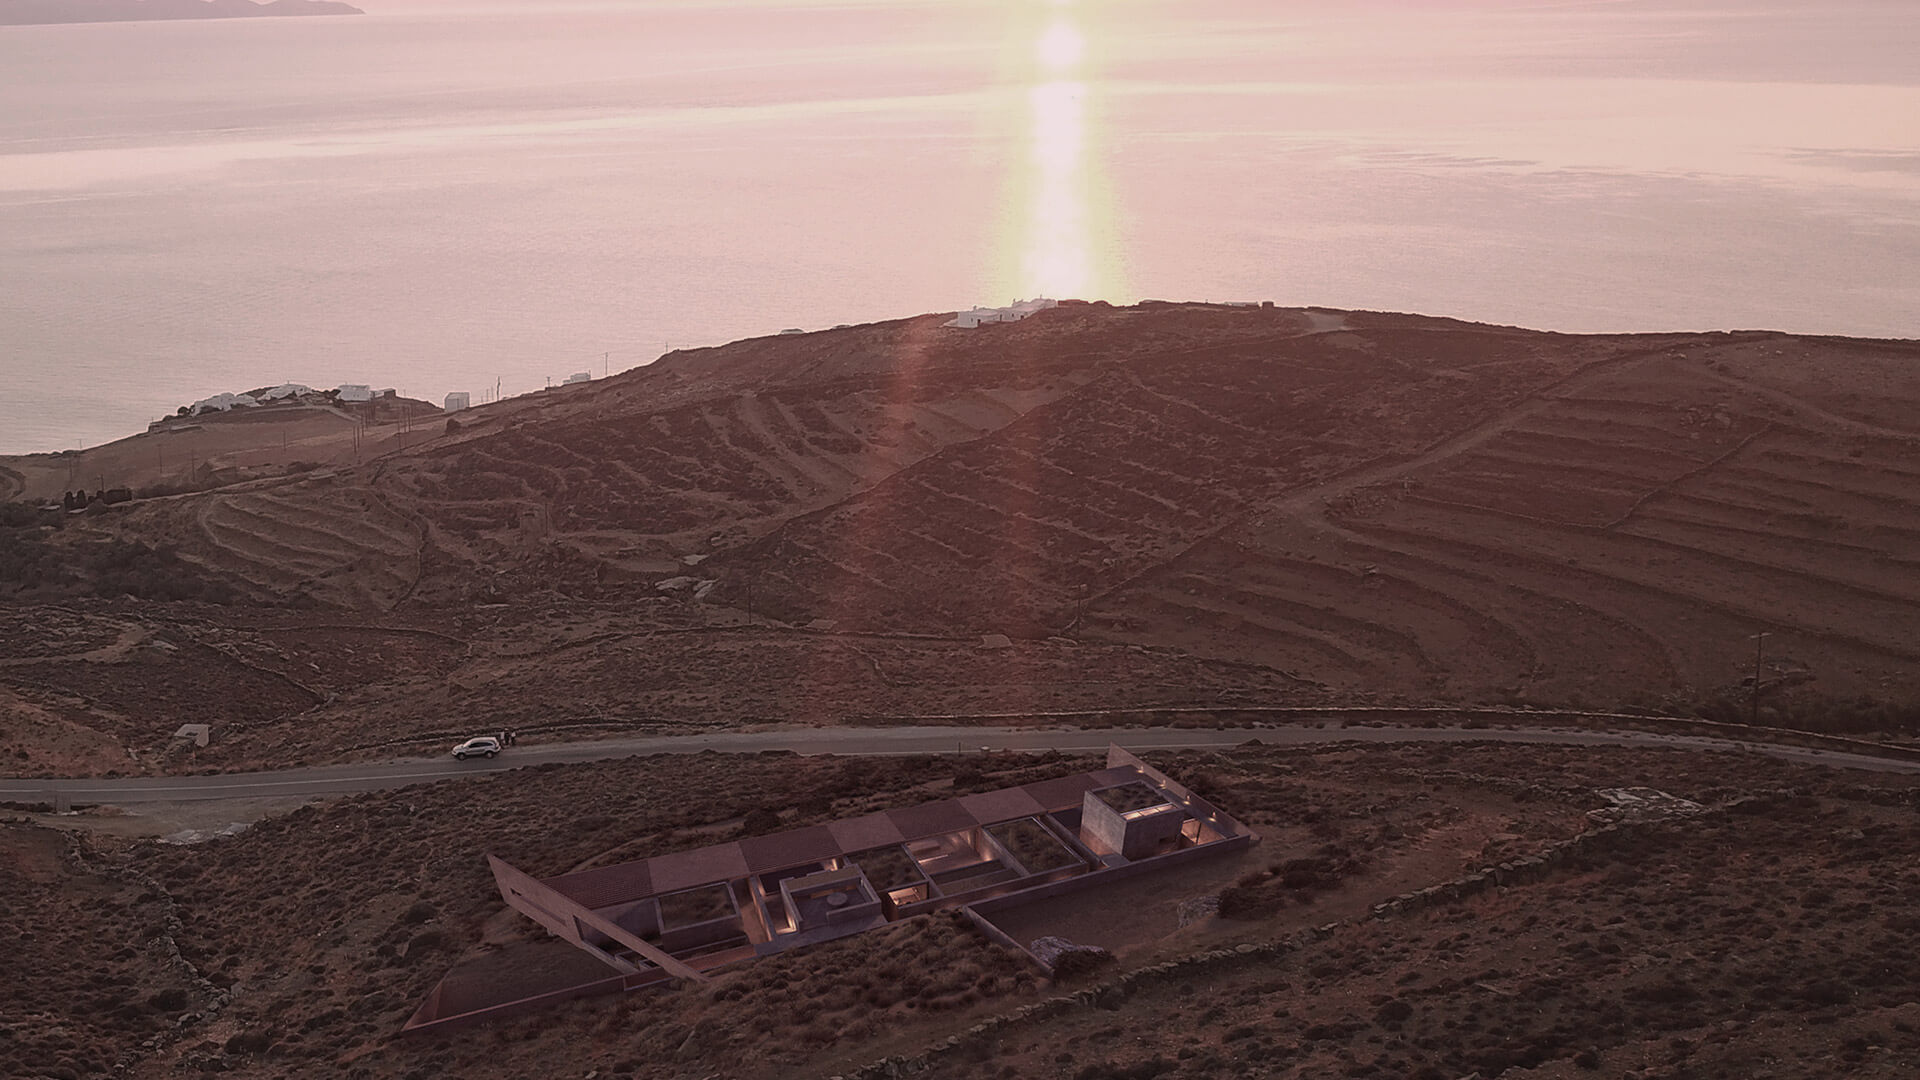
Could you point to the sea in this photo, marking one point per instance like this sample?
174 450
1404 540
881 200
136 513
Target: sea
490 196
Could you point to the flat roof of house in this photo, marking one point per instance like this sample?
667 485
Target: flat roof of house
621 883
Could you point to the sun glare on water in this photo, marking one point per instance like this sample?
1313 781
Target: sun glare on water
1062 46
1058 232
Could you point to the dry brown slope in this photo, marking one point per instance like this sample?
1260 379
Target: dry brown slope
321 538
1014 530
1624 533
617 480
222 448
1380 503
709 449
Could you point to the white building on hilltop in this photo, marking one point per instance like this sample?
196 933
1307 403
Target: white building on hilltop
221 403
354 392
458 400
578 376
286 390
967 320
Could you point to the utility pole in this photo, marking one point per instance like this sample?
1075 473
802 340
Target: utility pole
606 364
1759 651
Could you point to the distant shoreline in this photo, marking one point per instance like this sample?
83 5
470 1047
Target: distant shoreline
71 12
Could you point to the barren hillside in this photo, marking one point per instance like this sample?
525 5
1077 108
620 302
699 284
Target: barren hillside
1282 504
215 449
1632 525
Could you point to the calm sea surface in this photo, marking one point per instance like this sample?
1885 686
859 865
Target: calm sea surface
437 195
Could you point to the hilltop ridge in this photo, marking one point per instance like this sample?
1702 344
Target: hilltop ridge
200 449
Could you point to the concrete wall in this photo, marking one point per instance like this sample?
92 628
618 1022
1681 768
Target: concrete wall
426 1018
568 920
696 935
1217 819
1107 830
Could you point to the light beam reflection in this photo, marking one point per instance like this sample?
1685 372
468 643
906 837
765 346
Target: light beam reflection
1062 46
1058 191
1057 262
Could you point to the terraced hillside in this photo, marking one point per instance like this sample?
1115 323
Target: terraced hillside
1379 504
326 540
1633 526
616 481
1148 458
709 449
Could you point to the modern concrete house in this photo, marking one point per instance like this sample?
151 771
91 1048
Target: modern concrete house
353 392
690 913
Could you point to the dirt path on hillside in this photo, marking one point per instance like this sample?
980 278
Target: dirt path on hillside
1807 410
1309 498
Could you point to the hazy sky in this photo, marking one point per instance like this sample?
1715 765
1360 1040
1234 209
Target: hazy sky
449 191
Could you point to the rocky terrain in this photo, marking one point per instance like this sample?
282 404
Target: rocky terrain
1756 922
1094 508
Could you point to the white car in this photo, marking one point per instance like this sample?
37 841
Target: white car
484 746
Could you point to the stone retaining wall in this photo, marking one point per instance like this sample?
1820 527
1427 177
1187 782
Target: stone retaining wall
164 941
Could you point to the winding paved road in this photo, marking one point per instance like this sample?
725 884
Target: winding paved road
340 779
